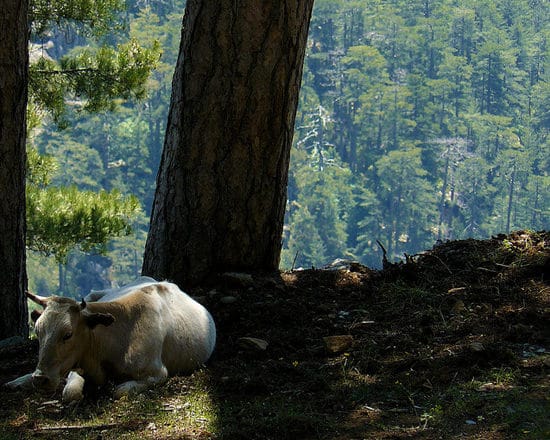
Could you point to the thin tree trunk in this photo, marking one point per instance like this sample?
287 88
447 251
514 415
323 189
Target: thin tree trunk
443 195
221 187
510 198
13 103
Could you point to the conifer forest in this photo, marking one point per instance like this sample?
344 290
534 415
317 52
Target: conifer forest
418 121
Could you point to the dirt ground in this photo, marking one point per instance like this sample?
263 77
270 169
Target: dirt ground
454 343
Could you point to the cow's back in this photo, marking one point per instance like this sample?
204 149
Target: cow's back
115 293
170 319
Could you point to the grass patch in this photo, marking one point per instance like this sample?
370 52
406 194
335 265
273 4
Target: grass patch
519 411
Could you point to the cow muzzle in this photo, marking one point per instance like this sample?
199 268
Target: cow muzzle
43 381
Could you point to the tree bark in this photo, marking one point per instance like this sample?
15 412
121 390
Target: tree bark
13 103
221 187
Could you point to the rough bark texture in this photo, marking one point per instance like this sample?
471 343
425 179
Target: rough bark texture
221 188
13 102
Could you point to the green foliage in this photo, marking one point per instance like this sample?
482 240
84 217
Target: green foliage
92 79
98 16
39 168
97 76
439 113
60 219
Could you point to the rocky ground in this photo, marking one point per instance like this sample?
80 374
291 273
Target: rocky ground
454 343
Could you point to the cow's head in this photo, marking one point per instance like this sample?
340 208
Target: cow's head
63 331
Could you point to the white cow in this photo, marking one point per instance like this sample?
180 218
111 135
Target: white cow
140 333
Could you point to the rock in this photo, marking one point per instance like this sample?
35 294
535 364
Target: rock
238 279
458 307
201 300
228 300
477 347
212 293
338 344
339 264
253 343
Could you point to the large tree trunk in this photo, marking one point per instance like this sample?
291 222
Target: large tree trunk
13 103
221 187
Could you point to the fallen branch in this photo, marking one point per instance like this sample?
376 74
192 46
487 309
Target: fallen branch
76 427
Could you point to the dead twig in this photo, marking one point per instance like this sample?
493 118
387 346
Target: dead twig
294 261
76 427
385 262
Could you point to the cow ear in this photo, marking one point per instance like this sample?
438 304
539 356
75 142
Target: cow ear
94 319
35 314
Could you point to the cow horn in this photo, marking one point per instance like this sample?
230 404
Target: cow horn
41 300
82 304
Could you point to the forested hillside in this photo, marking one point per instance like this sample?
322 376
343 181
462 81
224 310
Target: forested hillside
418 121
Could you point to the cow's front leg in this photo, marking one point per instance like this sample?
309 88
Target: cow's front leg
21 383
73 390
133 387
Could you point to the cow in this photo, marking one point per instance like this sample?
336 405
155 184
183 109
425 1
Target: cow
140 333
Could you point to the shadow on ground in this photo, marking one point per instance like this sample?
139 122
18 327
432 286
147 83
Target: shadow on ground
453 344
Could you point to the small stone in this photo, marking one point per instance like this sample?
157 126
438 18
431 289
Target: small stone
456 290
238 279
253 343
212 293
201 300
228 300
477 347
458 307
338 343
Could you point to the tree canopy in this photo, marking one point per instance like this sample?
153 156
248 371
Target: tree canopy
435 109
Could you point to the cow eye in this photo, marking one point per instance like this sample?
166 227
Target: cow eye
67 336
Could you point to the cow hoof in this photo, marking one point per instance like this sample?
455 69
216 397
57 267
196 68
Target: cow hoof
127 389
73 391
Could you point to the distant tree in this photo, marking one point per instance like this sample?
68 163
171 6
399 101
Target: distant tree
406 199
221 188
95 77
60 219
305 247
13 102
319 214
